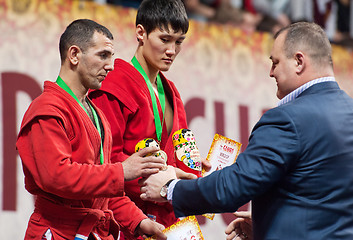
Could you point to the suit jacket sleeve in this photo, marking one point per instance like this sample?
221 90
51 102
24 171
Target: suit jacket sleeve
272 150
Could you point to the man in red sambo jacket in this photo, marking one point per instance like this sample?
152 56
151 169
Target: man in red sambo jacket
136 95
65 146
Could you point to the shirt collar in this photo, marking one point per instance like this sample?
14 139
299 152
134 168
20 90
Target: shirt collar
294 94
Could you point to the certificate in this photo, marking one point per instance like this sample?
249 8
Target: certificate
186 229
223 152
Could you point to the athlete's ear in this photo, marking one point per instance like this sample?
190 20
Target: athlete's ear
140 33
73 54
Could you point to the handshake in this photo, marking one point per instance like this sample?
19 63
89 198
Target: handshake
152 189
146 164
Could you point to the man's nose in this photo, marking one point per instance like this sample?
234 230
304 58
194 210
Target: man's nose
171 49
109 67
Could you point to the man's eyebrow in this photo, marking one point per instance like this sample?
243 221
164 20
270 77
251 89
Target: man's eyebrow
170 35
107 51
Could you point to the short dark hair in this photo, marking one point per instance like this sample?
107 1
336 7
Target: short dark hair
307 36
160 13
80 33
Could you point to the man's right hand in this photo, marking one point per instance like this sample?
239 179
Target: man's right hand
137 165
151 186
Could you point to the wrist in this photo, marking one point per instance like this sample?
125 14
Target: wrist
164 190
138 230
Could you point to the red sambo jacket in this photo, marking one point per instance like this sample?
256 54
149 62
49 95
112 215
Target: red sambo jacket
59 148
125 100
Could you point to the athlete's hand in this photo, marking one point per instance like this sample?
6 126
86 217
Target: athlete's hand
137 165
184 175
206 165
148 228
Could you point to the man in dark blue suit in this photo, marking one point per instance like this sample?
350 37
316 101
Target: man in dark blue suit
298 166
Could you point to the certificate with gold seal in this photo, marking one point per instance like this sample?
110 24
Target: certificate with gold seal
186 229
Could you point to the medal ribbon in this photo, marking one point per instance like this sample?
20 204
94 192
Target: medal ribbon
161 95
64 86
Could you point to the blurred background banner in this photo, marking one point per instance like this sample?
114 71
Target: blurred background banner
222 74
